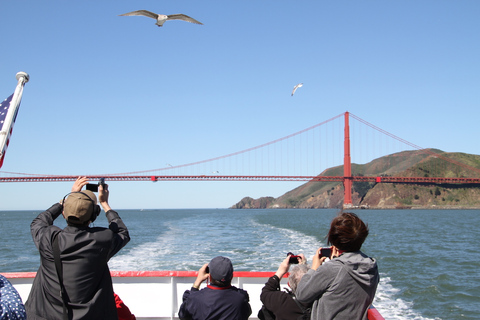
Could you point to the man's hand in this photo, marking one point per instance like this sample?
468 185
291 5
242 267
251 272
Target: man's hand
202 276
283 268
302 259
103 194
79 183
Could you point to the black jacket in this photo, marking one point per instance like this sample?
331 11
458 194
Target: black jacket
84 252
215 303
280 303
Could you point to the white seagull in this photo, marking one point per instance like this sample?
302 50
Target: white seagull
161 18
296 87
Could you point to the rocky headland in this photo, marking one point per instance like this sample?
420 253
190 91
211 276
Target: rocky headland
420 163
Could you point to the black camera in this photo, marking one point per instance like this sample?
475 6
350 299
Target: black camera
94 187
326 252
293 258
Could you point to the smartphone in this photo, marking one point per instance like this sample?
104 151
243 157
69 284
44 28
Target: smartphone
326 252
92 187
293 258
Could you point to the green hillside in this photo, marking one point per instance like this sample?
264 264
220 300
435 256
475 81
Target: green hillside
420 163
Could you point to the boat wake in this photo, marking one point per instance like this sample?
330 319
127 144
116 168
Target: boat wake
391 307
185 247
252 246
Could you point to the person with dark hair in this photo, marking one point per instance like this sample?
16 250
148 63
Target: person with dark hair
73 280
343 287
283 305
219 300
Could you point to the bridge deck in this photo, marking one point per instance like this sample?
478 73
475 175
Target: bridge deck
423 180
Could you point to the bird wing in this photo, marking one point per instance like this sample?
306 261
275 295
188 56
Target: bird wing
141 13
184 17
296 87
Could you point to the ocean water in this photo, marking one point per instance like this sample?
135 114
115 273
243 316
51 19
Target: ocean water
429 260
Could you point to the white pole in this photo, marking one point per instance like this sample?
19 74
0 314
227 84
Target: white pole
22 78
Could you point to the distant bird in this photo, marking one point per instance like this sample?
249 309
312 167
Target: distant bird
161 18
296 87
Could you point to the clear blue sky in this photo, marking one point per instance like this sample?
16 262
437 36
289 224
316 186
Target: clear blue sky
114 94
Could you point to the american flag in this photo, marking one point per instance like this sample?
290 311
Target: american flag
5 127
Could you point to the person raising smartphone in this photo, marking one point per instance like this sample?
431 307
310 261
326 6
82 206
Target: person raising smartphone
73 280
344 287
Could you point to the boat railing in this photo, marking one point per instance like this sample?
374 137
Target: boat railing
157 295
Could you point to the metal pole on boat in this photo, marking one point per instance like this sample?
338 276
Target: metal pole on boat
22 78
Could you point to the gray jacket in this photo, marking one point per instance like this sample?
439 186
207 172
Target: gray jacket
342 288
84 252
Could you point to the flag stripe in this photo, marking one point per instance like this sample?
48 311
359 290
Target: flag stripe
4 106
5 127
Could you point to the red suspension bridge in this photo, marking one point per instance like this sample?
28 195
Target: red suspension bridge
296 151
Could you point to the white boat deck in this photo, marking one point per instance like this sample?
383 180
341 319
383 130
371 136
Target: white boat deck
157 295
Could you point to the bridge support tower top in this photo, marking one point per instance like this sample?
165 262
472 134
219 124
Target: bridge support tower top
347 166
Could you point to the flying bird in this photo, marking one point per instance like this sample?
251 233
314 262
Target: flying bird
161 18
296 87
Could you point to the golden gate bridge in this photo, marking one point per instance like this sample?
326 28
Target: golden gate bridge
274 156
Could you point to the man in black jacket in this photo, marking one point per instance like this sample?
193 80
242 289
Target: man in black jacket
282 305
219 300
84 254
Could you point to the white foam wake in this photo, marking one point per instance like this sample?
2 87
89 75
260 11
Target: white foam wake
391 307
189 243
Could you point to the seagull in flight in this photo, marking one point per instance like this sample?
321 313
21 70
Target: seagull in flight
296 87
161 18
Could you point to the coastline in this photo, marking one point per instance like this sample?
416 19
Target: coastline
368 208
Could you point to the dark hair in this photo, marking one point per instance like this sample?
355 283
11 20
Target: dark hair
220 283
347 232
75 222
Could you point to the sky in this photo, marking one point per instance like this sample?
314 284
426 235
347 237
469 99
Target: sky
110 93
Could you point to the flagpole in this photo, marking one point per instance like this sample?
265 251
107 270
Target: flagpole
22 78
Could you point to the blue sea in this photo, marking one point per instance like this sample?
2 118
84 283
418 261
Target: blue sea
429 260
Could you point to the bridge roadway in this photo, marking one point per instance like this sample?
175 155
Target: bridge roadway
153 178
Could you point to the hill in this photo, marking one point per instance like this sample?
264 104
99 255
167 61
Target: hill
386 195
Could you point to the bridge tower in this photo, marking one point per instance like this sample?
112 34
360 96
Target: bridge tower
347 165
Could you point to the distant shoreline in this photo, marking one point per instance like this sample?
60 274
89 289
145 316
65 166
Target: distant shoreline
371 208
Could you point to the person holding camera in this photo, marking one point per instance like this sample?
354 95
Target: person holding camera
283 305
73 280
219 300
344 287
